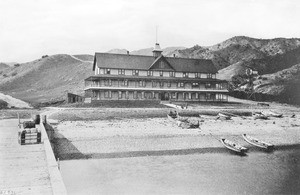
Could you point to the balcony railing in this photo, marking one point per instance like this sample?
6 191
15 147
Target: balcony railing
157 88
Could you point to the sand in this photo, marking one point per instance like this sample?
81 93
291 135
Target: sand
142 132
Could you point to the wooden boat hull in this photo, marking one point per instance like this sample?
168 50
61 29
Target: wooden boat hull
224 116
183 122
260 116
233 146
256 142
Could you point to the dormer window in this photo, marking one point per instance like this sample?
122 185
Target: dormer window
185 74
209 75
135 72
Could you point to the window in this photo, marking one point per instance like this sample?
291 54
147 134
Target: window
195 85
209 75
142 83
180 84
154 83
185 74
197 96
207 85
121 71
135 96
173 95
172 74
161 73
127 95
125 82
135 72
107 94
120 94
161 84
208 96
107 71
107 82
197 75
149 73
169 84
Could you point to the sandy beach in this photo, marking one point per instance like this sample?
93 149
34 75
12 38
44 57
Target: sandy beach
116 132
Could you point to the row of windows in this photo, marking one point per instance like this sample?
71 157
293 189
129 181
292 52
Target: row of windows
142 83
173 95
161 73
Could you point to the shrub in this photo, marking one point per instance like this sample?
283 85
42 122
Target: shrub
45 56
5 75
14 74
17 65
3 104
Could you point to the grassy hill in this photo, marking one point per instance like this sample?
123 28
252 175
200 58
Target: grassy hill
47 79
3 66
255 52
168 51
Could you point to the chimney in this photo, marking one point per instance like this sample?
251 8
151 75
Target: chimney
127 52
174 55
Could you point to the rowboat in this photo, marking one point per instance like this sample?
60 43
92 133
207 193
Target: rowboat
260 116
256 142
224 116
272 113
233 146
183 122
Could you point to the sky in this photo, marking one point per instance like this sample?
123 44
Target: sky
32 28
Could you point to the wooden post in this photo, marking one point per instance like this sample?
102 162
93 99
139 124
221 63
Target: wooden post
44 119
19 118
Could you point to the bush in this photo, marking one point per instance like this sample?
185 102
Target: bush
14 74
3 104
16 65
5 75
45 56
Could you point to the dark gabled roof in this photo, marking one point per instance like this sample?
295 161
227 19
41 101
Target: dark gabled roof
154 65
125 61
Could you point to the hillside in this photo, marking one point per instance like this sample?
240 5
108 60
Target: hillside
168 51
3 66
243 49
282 86
46 79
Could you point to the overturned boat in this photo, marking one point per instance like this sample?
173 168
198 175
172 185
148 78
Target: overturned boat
258 143
260 116
272 113
223 116
183 122
233 146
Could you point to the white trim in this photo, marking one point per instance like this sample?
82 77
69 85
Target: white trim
156 89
